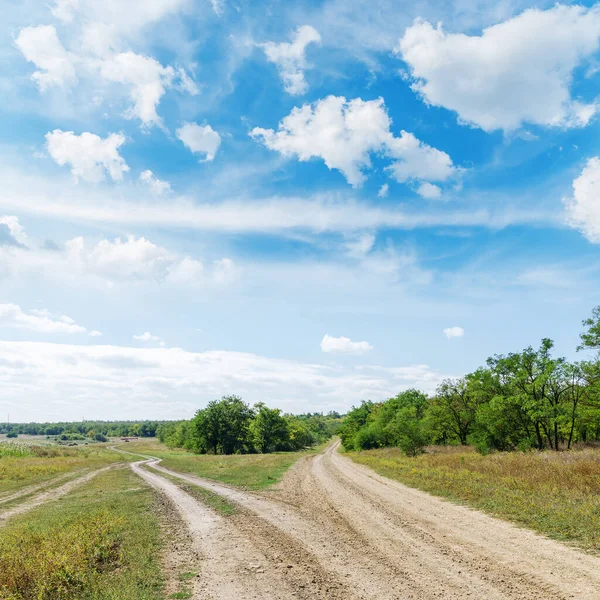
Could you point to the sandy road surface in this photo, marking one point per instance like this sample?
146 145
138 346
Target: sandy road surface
334 529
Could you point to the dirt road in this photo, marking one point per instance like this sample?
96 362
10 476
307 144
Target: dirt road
334 529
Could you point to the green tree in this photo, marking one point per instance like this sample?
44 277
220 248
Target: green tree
269 429
223 426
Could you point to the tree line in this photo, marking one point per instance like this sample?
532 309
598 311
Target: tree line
521 400
231 426
84 429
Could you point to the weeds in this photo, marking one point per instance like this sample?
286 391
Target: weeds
101 542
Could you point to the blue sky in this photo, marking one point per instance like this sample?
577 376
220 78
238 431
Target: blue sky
307 204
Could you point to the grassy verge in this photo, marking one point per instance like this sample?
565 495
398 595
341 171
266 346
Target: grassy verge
557 494
208 498
251 471
30 465
101 542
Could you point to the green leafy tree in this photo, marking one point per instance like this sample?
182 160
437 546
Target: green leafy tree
269 429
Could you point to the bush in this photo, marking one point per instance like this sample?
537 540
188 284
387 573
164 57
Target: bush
100 437
12 434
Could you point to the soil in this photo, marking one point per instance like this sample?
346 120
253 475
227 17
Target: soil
335 529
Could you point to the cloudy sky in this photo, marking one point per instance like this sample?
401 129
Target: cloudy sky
306 203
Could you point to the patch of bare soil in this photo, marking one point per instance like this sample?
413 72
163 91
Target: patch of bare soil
354 534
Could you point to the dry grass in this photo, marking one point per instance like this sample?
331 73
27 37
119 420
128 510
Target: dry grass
23 465
557 494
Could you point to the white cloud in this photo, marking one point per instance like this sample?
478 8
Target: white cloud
26 193
109 262
452 332
51 381
88 154
290 58
95 333
147 81
361 245
147 337
429 191
201 139
12 232
344 345
583 208
157 186
515 72
41 46
127 18
383 190
344 134
40 321
64 10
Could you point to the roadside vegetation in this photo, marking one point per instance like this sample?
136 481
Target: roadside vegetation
557 494
230 426
23 464
519 401
101 542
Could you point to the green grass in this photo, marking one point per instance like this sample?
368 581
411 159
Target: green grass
100 542
557 494
208 498
250 471
37 464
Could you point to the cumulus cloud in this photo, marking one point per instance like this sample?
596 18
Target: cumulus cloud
383 191
146 79
40 321
452 332
429 191
290 58
64 10
40 381
583 208
344 134
88 155
200 139
146 337
157 186
515 72
344 345
41 46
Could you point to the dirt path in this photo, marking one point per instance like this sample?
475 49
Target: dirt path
347 532
31 489
51 494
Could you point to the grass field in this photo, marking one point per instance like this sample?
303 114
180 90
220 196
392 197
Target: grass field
101 542
557 494
251 471
23 464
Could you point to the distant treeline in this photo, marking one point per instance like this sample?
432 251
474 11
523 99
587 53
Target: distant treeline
85 428
230 426
522 400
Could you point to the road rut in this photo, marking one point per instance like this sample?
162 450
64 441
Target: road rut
335 529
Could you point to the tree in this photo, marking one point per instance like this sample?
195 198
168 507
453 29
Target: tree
454 408
223 426
268 429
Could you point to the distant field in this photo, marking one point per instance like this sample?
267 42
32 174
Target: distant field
251 471
557 494
100 542
23 464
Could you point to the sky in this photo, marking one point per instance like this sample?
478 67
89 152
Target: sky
307 204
